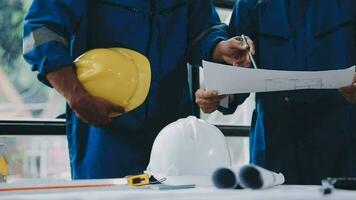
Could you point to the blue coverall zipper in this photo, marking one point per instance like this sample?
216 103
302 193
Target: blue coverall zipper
151 18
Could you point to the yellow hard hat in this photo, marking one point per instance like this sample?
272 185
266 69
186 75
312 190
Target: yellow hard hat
121 76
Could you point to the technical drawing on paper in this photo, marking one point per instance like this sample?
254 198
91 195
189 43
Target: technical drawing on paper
226 79
296 84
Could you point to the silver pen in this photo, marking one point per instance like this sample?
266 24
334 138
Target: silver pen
249 52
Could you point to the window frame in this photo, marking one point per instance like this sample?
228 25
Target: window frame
57 127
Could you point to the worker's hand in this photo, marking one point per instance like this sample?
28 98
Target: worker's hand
349 92
234 51
208 101
93 110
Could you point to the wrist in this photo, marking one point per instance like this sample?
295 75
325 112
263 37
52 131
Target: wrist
65 81
231 98
217 54
76 94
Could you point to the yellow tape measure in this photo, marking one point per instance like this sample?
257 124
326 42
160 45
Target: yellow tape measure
138 180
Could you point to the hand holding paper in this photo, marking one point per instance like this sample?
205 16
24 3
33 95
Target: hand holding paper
208 101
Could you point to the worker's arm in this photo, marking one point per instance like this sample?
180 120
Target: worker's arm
202 16
91 109
242 22
225 46
48 28
206 31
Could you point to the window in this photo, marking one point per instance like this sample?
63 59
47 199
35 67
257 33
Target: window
23 96
36 157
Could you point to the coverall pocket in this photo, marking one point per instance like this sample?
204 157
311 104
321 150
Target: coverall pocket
128 5
334 36
342 25
274 50
337 16
168 7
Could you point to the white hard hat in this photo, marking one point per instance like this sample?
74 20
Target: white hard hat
188 151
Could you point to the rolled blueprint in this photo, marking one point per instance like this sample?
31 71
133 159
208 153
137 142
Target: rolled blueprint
226 178
248 176
255 177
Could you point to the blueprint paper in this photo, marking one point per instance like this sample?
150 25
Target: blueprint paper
226 79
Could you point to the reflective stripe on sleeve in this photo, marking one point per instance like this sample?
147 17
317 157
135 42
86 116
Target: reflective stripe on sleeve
41 36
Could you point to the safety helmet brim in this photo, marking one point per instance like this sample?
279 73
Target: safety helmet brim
144 77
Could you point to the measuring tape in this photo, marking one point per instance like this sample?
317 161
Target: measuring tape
138 180
134 180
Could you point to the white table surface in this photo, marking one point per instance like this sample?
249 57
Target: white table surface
200 193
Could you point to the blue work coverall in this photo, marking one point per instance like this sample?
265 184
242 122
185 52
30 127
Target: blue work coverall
308 134
56 32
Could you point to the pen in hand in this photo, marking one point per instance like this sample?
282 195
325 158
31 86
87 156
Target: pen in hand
249 52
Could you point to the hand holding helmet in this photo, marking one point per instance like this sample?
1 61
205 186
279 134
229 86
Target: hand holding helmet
93 110
120 76
105 83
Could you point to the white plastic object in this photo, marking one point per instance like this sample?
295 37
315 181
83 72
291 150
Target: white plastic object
188 151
